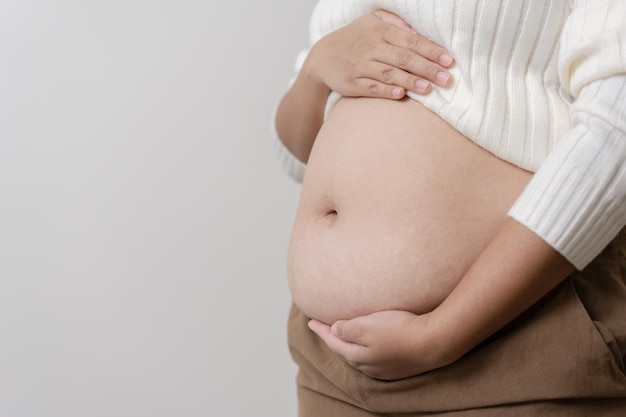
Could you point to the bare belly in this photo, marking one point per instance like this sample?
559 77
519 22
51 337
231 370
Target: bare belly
394 208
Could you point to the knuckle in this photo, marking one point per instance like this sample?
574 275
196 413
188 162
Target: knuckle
404 57
379 28
387 73
435 52
424 47
363 46
415 41
373 88
350 75
340 331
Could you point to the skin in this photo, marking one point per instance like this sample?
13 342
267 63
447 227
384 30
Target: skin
379 55
392 345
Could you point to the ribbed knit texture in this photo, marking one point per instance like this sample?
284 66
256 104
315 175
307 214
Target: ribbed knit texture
540 84
577 199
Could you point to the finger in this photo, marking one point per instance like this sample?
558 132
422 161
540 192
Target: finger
350 331
393 76
412 63
420 45
393 19
318 327
351 352
365 87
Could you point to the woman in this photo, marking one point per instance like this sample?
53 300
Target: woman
424 242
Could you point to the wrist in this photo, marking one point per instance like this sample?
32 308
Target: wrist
434 343
449 336
512 273
310 75
314 88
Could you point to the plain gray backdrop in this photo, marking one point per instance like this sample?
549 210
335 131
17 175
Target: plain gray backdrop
144 217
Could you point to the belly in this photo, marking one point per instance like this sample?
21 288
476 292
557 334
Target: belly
394 208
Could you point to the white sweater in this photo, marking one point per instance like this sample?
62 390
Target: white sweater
541 84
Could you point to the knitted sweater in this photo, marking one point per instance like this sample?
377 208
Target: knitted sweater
540 84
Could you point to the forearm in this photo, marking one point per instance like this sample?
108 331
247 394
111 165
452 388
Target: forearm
575 200
300 114
514 271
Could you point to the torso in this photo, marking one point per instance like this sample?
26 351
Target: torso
395 206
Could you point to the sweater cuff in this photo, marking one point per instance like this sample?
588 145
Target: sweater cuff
576 200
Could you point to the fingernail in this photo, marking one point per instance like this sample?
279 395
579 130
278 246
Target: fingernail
422 84
442 77
397 92
445 58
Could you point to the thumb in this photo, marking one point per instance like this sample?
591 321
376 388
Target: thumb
348 330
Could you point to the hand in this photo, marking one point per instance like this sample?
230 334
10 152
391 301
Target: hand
378 55
385 345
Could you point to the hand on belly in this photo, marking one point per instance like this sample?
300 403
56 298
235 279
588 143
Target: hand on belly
387 345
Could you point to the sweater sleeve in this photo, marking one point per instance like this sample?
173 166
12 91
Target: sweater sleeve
576 201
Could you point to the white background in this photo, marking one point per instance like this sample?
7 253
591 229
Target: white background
144 217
